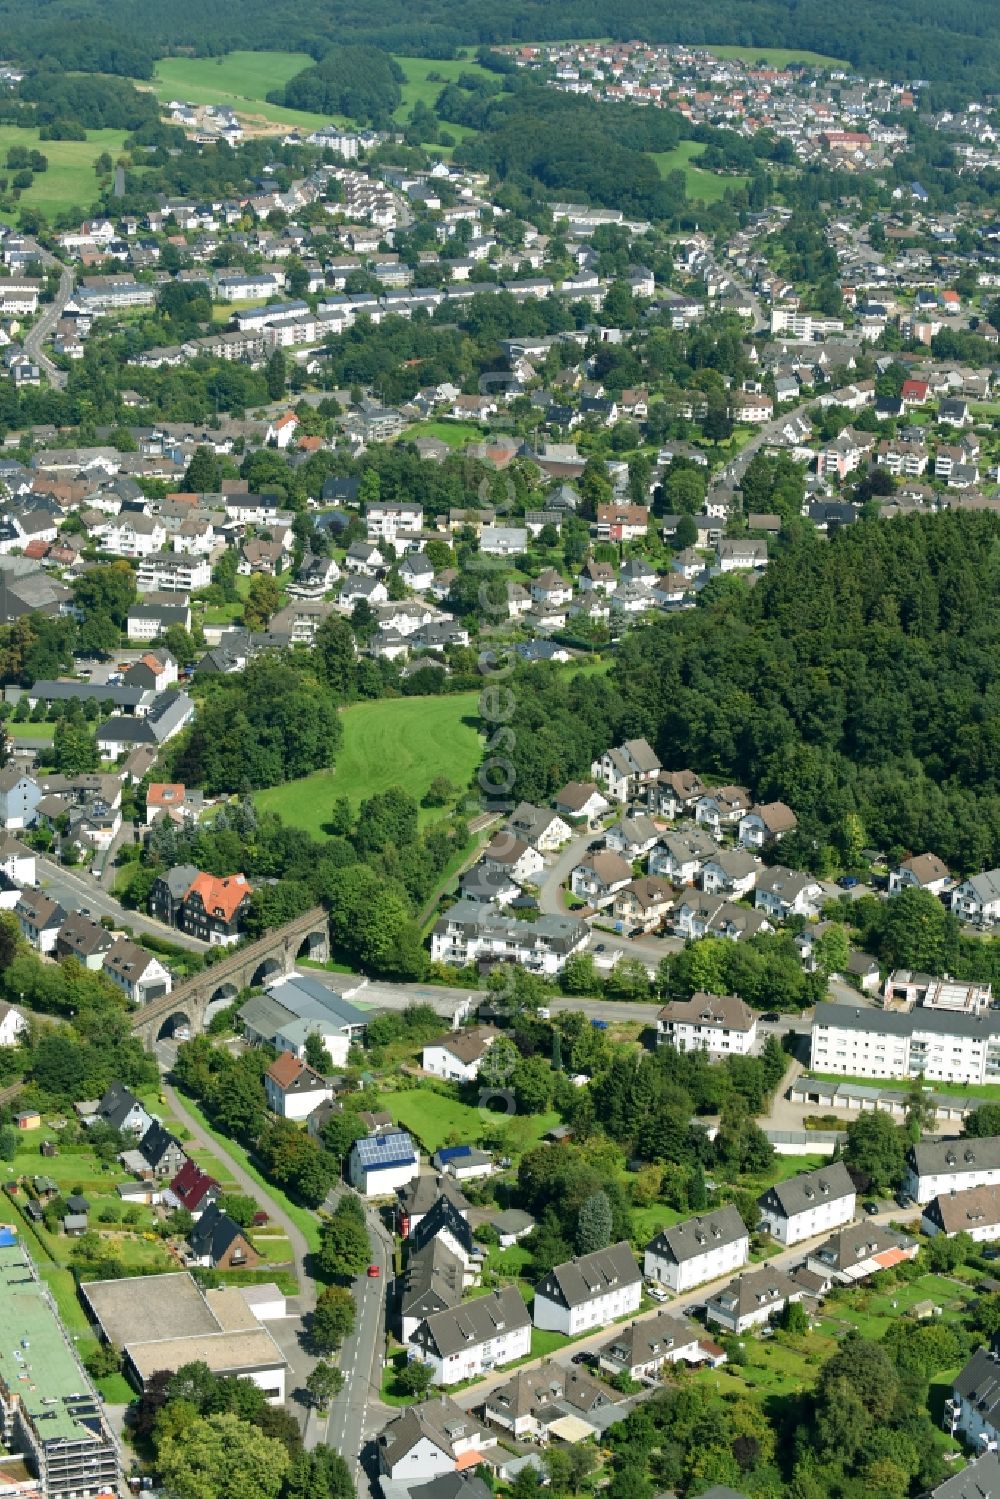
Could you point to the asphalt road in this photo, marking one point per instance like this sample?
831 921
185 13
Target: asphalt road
357 1414
51 314
79 892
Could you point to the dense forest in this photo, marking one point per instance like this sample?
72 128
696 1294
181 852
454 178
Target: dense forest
357 81
951 41
857 682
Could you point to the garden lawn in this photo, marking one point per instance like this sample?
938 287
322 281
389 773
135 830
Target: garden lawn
434 1119
455 434
698 183
70 181
393 742
779 57
29 730
648 1221
303 1219
239 80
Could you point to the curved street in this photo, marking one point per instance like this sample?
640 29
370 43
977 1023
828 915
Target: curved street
51 313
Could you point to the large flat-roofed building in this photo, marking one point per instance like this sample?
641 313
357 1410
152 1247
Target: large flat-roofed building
165 1321
50 1414
939 1045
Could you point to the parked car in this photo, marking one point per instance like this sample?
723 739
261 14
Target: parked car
871 1208
771 1018
848 881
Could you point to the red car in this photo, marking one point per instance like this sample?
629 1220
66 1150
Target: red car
373 1272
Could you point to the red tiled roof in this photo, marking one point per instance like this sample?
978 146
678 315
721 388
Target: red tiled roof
285 1069
221 897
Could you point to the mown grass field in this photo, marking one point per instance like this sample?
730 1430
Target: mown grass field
709 187
240 80
455 434
436 1120
394 742
779 57
70 181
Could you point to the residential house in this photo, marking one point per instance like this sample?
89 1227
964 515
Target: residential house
166 897
380 1164
139 973
13 1024
459 1055
674 794
743 555
509 855
976 901
699 1249
161 1153
720 1024
863 1249
751 1299
632 837
808 1204
681 857
627 769
19 796
765 824
589 1291
732 872
581 801
936 1168
218 1243
293 1088
783 892
532 1400
429 1440
40 919
975 1211
642 904
215 909
119 1108
85 940
639 1350
599 875
974 1413
543 829
474 1337
722 807
192 1189
920 871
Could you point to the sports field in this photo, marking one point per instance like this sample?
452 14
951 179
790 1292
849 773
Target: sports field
708 186
70 181
394 742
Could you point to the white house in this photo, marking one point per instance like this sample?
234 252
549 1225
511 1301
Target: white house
977 901
641 1349
974 1411
506 853
599 875
808 1204
732 872
544 830
429 1440
581 801
142 976
699 1249
624 770
459 1056
380 1164
720 1024
722 807
282 431
751 1299
589 1292
942 1166
975 1212
785 892
19 796
293 1088
766 823
12 1024
17 862
467 1340
922 872
938 1045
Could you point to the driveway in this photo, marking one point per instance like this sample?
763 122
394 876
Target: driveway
551 901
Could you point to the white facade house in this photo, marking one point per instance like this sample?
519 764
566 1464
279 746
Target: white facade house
751 1299
808 1204
641 1349
506 853
428 1440
382 1163
765 824
19 796
141 975
783 892
720 1024
937 1167
624 770
17 862
975 1211
977 901
974 1412
589 1291
459 1055
12 1024
922 872
293 1088
470 932
697 1250
933 1044
474 1337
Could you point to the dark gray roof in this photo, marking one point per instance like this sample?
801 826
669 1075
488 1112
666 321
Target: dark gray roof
580 1280
944 1157
442 1217
474 1322
641 1342
420 1195
440 1420
800 1193
212 1235
685 1241
903 1023
432 1282
980 1480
